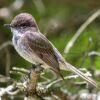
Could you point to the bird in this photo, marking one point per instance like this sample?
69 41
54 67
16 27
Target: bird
35 48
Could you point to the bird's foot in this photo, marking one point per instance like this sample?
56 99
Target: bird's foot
37 68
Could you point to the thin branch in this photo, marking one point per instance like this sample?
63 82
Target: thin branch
5 44
22 70
80 30
31 86
4 79
67 77
94 53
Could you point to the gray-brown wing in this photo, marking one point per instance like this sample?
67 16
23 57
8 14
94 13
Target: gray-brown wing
43 49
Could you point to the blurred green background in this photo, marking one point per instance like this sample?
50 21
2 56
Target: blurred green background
58 20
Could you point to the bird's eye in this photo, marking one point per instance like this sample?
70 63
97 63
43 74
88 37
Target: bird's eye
25 24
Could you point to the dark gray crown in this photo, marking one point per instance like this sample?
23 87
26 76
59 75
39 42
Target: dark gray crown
23 19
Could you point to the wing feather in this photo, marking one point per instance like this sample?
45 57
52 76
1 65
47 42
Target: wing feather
43 49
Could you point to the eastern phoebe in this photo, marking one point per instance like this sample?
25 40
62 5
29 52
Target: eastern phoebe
34 47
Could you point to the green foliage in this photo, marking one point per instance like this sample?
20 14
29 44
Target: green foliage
70 15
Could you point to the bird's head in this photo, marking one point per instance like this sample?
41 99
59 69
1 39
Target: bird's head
22 22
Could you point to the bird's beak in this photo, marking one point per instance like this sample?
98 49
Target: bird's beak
7 25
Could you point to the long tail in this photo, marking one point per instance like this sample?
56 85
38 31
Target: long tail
68 66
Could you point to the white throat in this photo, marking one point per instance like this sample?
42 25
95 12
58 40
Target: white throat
15 32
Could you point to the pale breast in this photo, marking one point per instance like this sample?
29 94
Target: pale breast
24 51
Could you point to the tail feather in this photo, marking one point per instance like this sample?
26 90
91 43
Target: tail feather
68 66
